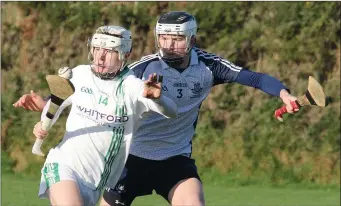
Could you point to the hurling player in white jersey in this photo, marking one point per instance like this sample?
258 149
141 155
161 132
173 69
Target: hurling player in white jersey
106 106
160 155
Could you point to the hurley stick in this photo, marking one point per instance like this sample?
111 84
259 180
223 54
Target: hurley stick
60 88
313 96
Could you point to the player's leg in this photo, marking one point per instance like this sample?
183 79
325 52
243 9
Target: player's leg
65 192
187 192
134 182
179 182
59 184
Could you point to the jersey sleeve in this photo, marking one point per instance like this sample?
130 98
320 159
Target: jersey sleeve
264 82
222 70
164 106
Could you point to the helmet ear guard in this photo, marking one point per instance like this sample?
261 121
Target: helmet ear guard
90 55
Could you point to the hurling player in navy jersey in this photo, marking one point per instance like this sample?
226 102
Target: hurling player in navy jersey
160 155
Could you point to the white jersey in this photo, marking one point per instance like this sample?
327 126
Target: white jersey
99 128
159 138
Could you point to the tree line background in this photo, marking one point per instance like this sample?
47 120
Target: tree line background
237 138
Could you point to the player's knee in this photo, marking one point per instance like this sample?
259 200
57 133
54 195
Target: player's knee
114 198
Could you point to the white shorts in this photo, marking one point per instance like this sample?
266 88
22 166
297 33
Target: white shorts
54 172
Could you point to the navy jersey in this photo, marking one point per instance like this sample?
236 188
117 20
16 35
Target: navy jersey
159 138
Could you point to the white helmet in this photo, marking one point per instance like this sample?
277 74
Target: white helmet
176 23
111 37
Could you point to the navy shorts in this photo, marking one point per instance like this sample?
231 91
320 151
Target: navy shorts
142 176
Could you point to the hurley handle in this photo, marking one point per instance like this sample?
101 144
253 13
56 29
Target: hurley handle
279 112
45 125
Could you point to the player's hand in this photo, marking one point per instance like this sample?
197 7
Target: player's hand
287 100
39 132
32 101
152 86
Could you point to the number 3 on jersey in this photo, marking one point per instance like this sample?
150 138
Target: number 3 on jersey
103 100
179 93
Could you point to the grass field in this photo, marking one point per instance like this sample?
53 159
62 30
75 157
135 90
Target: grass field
17 191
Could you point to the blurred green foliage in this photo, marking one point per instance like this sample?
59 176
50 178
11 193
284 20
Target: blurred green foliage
237 135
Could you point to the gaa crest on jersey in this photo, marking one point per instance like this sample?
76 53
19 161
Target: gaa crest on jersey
86 90
197 90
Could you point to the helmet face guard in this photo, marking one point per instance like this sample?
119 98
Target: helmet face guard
111 39
176 54
175 24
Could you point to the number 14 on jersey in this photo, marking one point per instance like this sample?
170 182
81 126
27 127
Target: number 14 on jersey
103 100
